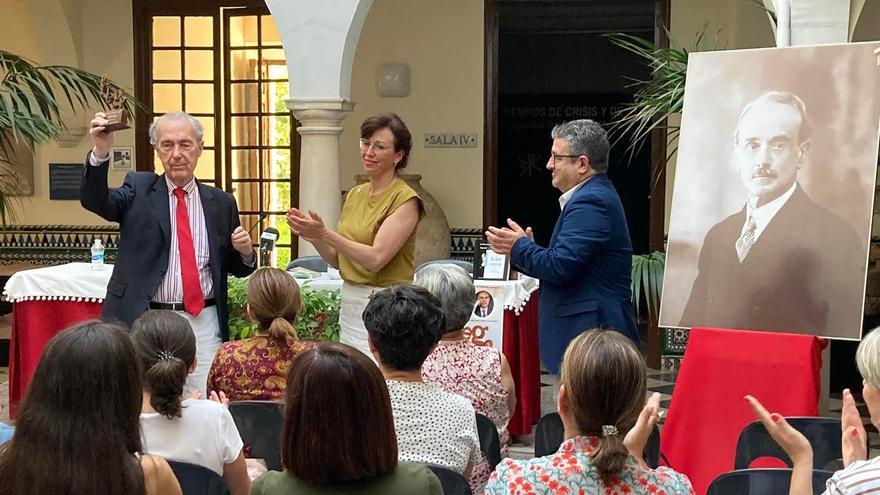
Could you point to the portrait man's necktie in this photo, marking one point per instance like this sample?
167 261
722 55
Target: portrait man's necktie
193 297
746 239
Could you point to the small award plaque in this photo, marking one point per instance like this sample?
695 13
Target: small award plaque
114 99
489 265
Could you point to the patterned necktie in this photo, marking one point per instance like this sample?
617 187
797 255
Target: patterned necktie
746 239
193 297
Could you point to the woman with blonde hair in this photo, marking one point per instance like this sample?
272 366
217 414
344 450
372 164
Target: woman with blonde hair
256 368
859 474
601 404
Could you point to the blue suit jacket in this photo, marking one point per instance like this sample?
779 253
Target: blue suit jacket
140 207
584 273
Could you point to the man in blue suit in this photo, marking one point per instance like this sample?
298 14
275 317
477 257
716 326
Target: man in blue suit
585 272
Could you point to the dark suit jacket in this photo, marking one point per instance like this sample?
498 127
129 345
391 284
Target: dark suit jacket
804 274
488 308
140 207
584 273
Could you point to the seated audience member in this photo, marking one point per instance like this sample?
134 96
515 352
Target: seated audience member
339 431
481 374
859 474
77 429
256 368
433 426
600 400
195 431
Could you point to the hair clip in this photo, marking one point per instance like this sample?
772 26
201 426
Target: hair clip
164 355
609 431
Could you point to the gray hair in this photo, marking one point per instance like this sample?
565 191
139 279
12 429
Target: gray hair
154 127
868 358
783 98
452 285
585 137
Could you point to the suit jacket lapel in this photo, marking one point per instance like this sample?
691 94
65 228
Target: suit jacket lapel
590 183
210 208
159 199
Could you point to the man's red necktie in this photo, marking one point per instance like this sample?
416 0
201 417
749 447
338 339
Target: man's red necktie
193 297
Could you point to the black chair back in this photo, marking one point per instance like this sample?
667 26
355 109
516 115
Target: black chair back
260 424
490 442
198 480
467 265
762 482
453 483
822 433
313 263
550 432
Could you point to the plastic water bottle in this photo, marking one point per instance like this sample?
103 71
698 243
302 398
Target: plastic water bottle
97 255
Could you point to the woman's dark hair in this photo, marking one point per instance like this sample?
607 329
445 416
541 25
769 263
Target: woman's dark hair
393 122
338 425
274 303
78 427
404 323
166 350
605 378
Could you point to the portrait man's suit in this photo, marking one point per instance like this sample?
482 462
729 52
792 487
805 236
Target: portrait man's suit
805 272
141 208
584 272
478 310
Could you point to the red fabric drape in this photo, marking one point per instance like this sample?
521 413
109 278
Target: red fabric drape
520 346
708 411
34 323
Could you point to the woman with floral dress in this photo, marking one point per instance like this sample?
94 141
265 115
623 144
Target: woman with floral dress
606 428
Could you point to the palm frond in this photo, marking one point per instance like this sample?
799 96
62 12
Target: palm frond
658 97
647 281
31 98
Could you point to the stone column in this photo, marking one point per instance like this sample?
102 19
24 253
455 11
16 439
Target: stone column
319 178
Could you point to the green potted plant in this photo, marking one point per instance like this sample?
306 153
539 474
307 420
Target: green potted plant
32 99
318 319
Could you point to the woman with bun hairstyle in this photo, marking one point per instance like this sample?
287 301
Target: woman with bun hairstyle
183 429
256 368
77 430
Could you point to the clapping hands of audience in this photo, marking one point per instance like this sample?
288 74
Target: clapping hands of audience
854 437
637 437
793 442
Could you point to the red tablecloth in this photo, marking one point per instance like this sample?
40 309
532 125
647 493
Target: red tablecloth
708 411
521 349
34 323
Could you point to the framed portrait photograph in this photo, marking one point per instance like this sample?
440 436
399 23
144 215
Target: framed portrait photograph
121 158
489 265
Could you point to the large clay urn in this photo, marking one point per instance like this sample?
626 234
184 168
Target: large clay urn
432 233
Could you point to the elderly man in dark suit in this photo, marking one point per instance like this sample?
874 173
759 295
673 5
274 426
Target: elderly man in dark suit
179 238
585 271
782 262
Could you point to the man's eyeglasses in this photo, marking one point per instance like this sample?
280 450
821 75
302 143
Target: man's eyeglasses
377 146
555 157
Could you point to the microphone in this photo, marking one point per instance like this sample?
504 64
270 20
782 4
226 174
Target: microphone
267 244
260 219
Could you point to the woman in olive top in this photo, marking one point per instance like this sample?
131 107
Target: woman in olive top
339 431
374 243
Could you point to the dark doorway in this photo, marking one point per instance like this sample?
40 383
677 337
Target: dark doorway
554 65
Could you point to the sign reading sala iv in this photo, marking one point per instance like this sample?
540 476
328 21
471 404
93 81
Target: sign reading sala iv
450 140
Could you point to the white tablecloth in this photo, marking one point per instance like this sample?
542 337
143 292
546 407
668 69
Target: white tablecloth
78 282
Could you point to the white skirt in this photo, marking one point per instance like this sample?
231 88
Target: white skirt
351 322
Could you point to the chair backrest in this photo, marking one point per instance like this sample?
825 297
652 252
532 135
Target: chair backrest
314 263
550 432
822 433
467 265
453 483
761 482
490 443
198 480
260 424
